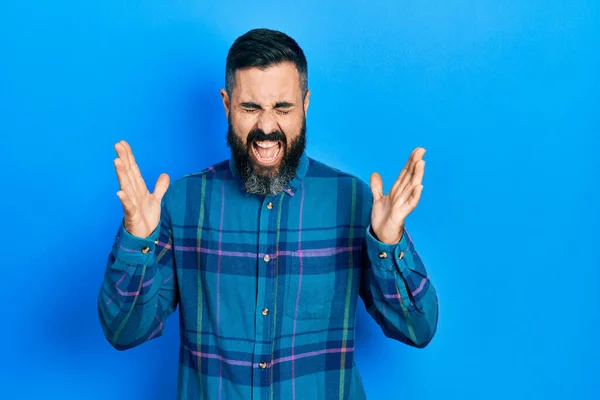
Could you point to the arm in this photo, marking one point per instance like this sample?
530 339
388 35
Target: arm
139 289
397 291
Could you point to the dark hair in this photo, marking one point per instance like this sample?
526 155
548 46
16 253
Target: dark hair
263 48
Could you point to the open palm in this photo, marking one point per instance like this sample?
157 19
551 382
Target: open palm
142 208
390 211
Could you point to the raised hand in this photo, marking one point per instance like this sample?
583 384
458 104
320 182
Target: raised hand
390 211
142 208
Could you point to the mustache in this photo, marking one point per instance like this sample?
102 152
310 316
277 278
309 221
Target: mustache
260 135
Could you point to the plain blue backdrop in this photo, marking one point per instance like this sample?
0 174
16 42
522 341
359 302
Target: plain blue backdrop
503 95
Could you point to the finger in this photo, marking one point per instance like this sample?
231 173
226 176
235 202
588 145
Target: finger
416 180
123 178
162 184
417 156
135 170
123 150
126 202
415 196
403 171
376 186
405 208
124 157
419 173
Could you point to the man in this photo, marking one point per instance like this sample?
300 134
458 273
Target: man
266 253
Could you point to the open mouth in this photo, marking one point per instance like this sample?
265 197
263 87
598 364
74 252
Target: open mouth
267 152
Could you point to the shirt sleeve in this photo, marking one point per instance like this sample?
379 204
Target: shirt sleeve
139 288
397 291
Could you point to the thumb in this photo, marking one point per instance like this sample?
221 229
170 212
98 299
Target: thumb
162 184
376 186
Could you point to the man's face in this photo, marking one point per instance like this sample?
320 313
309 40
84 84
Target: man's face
267 124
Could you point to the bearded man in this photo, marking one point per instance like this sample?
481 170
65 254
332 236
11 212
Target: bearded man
266 254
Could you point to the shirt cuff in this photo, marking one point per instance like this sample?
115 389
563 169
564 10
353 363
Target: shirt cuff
388 256
131 249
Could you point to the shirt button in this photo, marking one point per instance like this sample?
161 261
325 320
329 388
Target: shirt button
401 255
262 364
156 241
145 249
267 258
383 254
269 205
265 311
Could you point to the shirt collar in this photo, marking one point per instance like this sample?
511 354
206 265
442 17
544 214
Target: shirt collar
290 188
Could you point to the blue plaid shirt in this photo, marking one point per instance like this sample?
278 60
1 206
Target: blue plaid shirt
266 287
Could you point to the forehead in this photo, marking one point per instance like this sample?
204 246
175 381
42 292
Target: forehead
274 83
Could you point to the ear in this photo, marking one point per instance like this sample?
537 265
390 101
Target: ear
306 101
226 102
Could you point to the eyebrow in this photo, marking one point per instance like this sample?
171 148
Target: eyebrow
250 104
280 104
283 104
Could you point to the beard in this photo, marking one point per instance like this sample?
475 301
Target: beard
262 180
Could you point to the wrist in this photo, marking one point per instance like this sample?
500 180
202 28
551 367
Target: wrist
392 237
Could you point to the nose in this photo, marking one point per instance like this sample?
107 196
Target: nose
267 121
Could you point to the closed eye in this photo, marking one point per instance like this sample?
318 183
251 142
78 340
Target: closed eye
283 107
250 107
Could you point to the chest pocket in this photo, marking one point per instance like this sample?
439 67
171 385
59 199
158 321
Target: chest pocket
316 288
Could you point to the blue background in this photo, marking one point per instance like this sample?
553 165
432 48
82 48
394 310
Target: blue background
504 96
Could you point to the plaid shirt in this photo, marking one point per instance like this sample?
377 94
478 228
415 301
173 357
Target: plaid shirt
266 287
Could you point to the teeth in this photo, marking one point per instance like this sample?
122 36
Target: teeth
266 145
267 159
